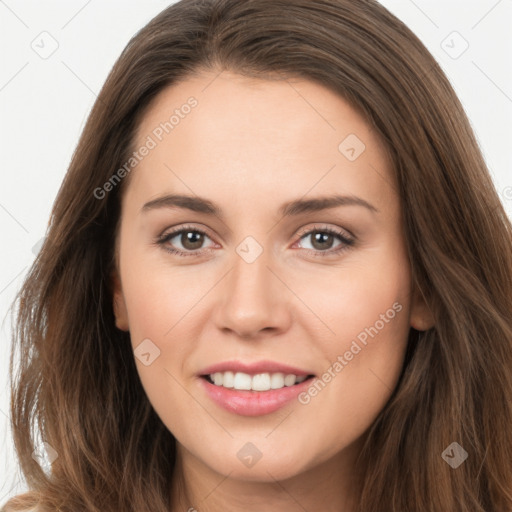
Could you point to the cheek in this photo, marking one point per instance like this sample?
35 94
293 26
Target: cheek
358 382
353 296
159 297
369 313
361 373
160 312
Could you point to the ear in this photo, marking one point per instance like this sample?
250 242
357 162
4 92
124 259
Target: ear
421 318
119 304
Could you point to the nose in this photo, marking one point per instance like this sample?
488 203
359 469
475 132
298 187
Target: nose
252 300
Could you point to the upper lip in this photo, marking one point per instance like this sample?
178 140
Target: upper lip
254 368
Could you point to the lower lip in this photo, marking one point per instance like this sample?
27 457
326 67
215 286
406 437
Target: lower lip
253 403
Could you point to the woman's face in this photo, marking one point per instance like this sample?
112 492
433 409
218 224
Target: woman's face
291 261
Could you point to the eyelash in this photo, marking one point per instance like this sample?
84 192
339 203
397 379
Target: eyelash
347 243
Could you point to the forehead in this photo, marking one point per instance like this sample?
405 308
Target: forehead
227 131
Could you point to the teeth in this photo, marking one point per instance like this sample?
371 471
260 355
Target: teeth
277 380
258 382
228 380
242 381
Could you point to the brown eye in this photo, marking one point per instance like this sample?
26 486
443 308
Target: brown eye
321 240
325 241
191 240
185 242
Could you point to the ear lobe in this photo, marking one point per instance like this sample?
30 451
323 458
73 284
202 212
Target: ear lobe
421 318
119 304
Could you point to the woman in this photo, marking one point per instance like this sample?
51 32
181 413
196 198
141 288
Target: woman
277 275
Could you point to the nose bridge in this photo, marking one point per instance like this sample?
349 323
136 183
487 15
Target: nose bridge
252 298
250 278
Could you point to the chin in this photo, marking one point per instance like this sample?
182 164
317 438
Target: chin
272 464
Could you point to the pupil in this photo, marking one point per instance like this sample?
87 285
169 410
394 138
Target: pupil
192 240
319 237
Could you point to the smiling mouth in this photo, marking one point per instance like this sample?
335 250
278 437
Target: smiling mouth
240 381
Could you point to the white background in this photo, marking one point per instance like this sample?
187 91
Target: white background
44 104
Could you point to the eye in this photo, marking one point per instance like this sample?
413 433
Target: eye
326 241
185 241
189 241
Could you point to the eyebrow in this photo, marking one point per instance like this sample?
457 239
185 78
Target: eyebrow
291 208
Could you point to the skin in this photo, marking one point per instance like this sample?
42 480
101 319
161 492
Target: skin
249 146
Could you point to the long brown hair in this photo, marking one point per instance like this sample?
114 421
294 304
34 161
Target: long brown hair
76 382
